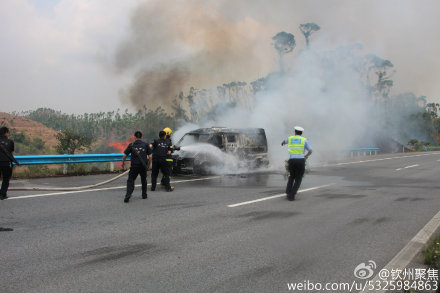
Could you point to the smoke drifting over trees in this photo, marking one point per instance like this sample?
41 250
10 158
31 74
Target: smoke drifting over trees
178 44
284 43
63 54
186 53
307 29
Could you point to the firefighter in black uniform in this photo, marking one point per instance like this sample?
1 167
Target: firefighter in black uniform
162 149
140 153
6 159
169 158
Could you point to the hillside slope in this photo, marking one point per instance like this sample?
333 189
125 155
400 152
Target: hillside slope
30 128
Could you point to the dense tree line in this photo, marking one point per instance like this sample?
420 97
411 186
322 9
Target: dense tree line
415 121
114 125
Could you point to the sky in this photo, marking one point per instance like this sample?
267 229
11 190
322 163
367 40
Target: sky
89 56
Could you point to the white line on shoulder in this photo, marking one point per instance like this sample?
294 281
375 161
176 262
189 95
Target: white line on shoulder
101 189
275 196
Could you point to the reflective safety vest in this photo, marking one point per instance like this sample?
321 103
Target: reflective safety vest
169 157
296 145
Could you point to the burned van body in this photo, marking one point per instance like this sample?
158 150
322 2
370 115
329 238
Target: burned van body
206 150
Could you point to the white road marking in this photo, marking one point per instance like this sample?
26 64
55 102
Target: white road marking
412 166
383 159
275 196
411 249
407 167
101 189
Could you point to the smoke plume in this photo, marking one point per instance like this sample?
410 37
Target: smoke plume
175 45
323 92
195 47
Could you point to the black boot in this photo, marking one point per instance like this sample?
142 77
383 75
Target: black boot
291 197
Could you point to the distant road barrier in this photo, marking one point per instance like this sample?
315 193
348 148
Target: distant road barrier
431 148
69 159
363 151
96 158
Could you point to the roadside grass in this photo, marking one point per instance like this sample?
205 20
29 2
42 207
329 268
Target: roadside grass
431 254
431 258
35 171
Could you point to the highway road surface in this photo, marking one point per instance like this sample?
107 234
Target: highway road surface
229 233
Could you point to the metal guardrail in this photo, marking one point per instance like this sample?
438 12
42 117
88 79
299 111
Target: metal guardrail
363 151
95 158
431 148
69 159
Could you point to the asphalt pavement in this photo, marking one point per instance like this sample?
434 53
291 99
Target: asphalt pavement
228 233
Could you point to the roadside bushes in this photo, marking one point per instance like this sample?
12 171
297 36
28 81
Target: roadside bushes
431 254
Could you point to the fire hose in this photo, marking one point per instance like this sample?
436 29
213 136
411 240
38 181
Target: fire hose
70 188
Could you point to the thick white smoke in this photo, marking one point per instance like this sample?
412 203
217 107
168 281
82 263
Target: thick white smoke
203 58
221 162
322 92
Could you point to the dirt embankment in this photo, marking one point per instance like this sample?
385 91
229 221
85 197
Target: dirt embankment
30 128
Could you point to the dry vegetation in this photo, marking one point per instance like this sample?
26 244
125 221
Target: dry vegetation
30 128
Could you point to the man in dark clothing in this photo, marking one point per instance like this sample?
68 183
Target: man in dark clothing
6 155
140 153
162 148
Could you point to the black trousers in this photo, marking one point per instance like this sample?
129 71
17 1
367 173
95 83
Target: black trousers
296 170
170 163
132 175
6 173
164 166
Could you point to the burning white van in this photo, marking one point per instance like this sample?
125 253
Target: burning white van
219 149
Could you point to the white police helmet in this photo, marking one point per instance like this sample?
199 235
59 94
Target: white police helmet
299 128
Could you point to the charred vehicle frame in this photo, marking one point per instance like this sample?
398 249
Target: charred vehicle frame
247 145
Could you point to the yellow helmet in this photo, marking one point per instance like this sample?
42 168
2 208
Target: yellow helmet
168 130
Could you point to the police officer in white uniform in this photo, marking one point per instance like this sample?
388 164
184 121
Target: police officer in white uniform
297 162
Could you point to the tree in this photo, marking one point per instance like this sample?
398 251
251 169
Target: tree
307 29
38 143
417 145
379 67
20 137
179 111
422 100
284 43
433 109
258 85
69 141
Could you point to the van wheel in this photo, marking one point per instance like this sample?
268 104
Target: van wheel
258 163
204 169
